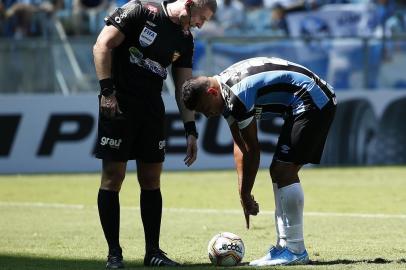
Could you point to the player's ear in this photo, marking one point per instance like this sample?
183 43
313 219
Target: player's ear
189 3
212 91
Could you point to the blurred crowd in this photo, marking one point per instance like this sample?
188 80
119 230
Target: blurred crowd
30 18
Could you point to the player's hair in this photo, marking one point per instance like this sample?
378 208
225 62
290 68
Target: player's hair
210 4
192 91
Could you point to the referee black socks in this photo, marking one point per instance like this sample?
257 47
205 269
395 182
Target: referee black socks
109 212
151 213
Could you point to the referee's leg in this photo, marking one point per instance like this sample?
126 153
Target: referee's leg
108 203
149 175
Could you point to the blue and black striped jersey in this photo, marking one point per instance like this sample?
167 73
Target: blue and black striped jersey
264 86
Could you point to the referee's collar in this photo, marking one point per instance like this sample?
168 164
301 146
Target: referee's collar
163 4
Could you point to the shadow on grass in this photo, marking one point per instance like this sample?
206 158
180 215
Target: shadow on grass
23 262
374 261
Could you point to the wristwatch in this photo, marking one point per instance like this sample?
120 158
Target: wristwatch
106 92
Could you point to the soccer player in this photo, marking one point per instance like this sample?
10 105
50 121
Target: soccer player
131 54
256 89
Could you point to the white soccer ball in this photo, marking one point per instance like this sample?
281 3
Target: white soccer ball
226 249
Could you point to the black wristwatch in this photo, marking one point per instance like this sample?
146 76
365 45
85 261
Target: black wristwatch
106 92
107 87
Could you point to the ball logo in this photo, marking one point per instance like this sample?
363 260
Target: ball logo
110 142
231 246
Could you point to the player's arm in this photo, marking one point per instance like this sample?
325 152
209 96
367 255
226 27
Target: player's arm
180 75
109 38
246 157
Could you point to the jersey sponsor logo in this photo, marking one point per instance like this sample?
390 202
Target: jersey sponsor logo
147 37
136 57
175 56
112 143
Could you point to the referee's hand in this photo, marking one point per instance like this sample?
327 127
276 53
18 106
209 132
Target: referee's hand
109 106
191 152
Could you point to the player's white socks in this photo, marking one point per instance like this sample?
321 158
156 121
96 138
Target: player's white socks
280 229
292 202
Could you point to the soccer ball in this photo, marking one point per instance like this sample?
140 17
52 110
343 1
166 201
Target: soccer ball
226 249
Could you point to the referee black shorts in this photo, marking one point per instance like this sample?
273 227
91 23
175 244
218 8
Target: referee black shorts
136 134
303 136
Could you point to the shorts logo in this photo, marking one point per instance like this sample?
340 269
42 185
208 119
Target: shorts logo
147 37
110 142
161 144
285 149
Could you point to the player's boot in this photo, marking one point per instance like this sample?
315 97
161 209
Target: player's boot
273 251
286 257
158 258
115 259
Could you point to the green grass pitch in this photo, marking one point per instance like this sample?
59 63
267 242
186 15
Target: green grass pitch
355 218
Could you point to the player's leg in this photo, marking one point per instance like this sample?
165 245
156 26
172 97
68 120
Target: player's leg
305 143
279 227
301 141
289 200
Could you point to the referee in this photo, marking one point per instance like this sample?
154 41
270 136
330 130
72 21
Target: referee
131 54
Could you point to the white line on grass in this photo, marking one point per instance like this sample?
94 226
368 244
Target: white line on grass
200 210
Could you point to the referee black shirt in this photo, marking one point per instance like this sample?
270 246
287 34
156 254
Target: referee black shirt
152 42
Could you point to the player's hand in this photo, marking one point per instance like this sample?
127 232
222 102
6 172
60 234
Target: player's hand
250 207
109 106
191 151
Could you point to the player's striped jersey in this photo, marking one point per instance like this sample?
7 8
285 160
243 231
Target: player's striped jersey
264 86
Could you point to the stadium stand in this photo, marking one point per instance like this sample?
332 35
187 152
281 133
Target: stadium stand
353 43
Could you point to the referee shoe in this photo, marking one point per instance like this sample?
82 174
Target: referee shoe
115 259
158 258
